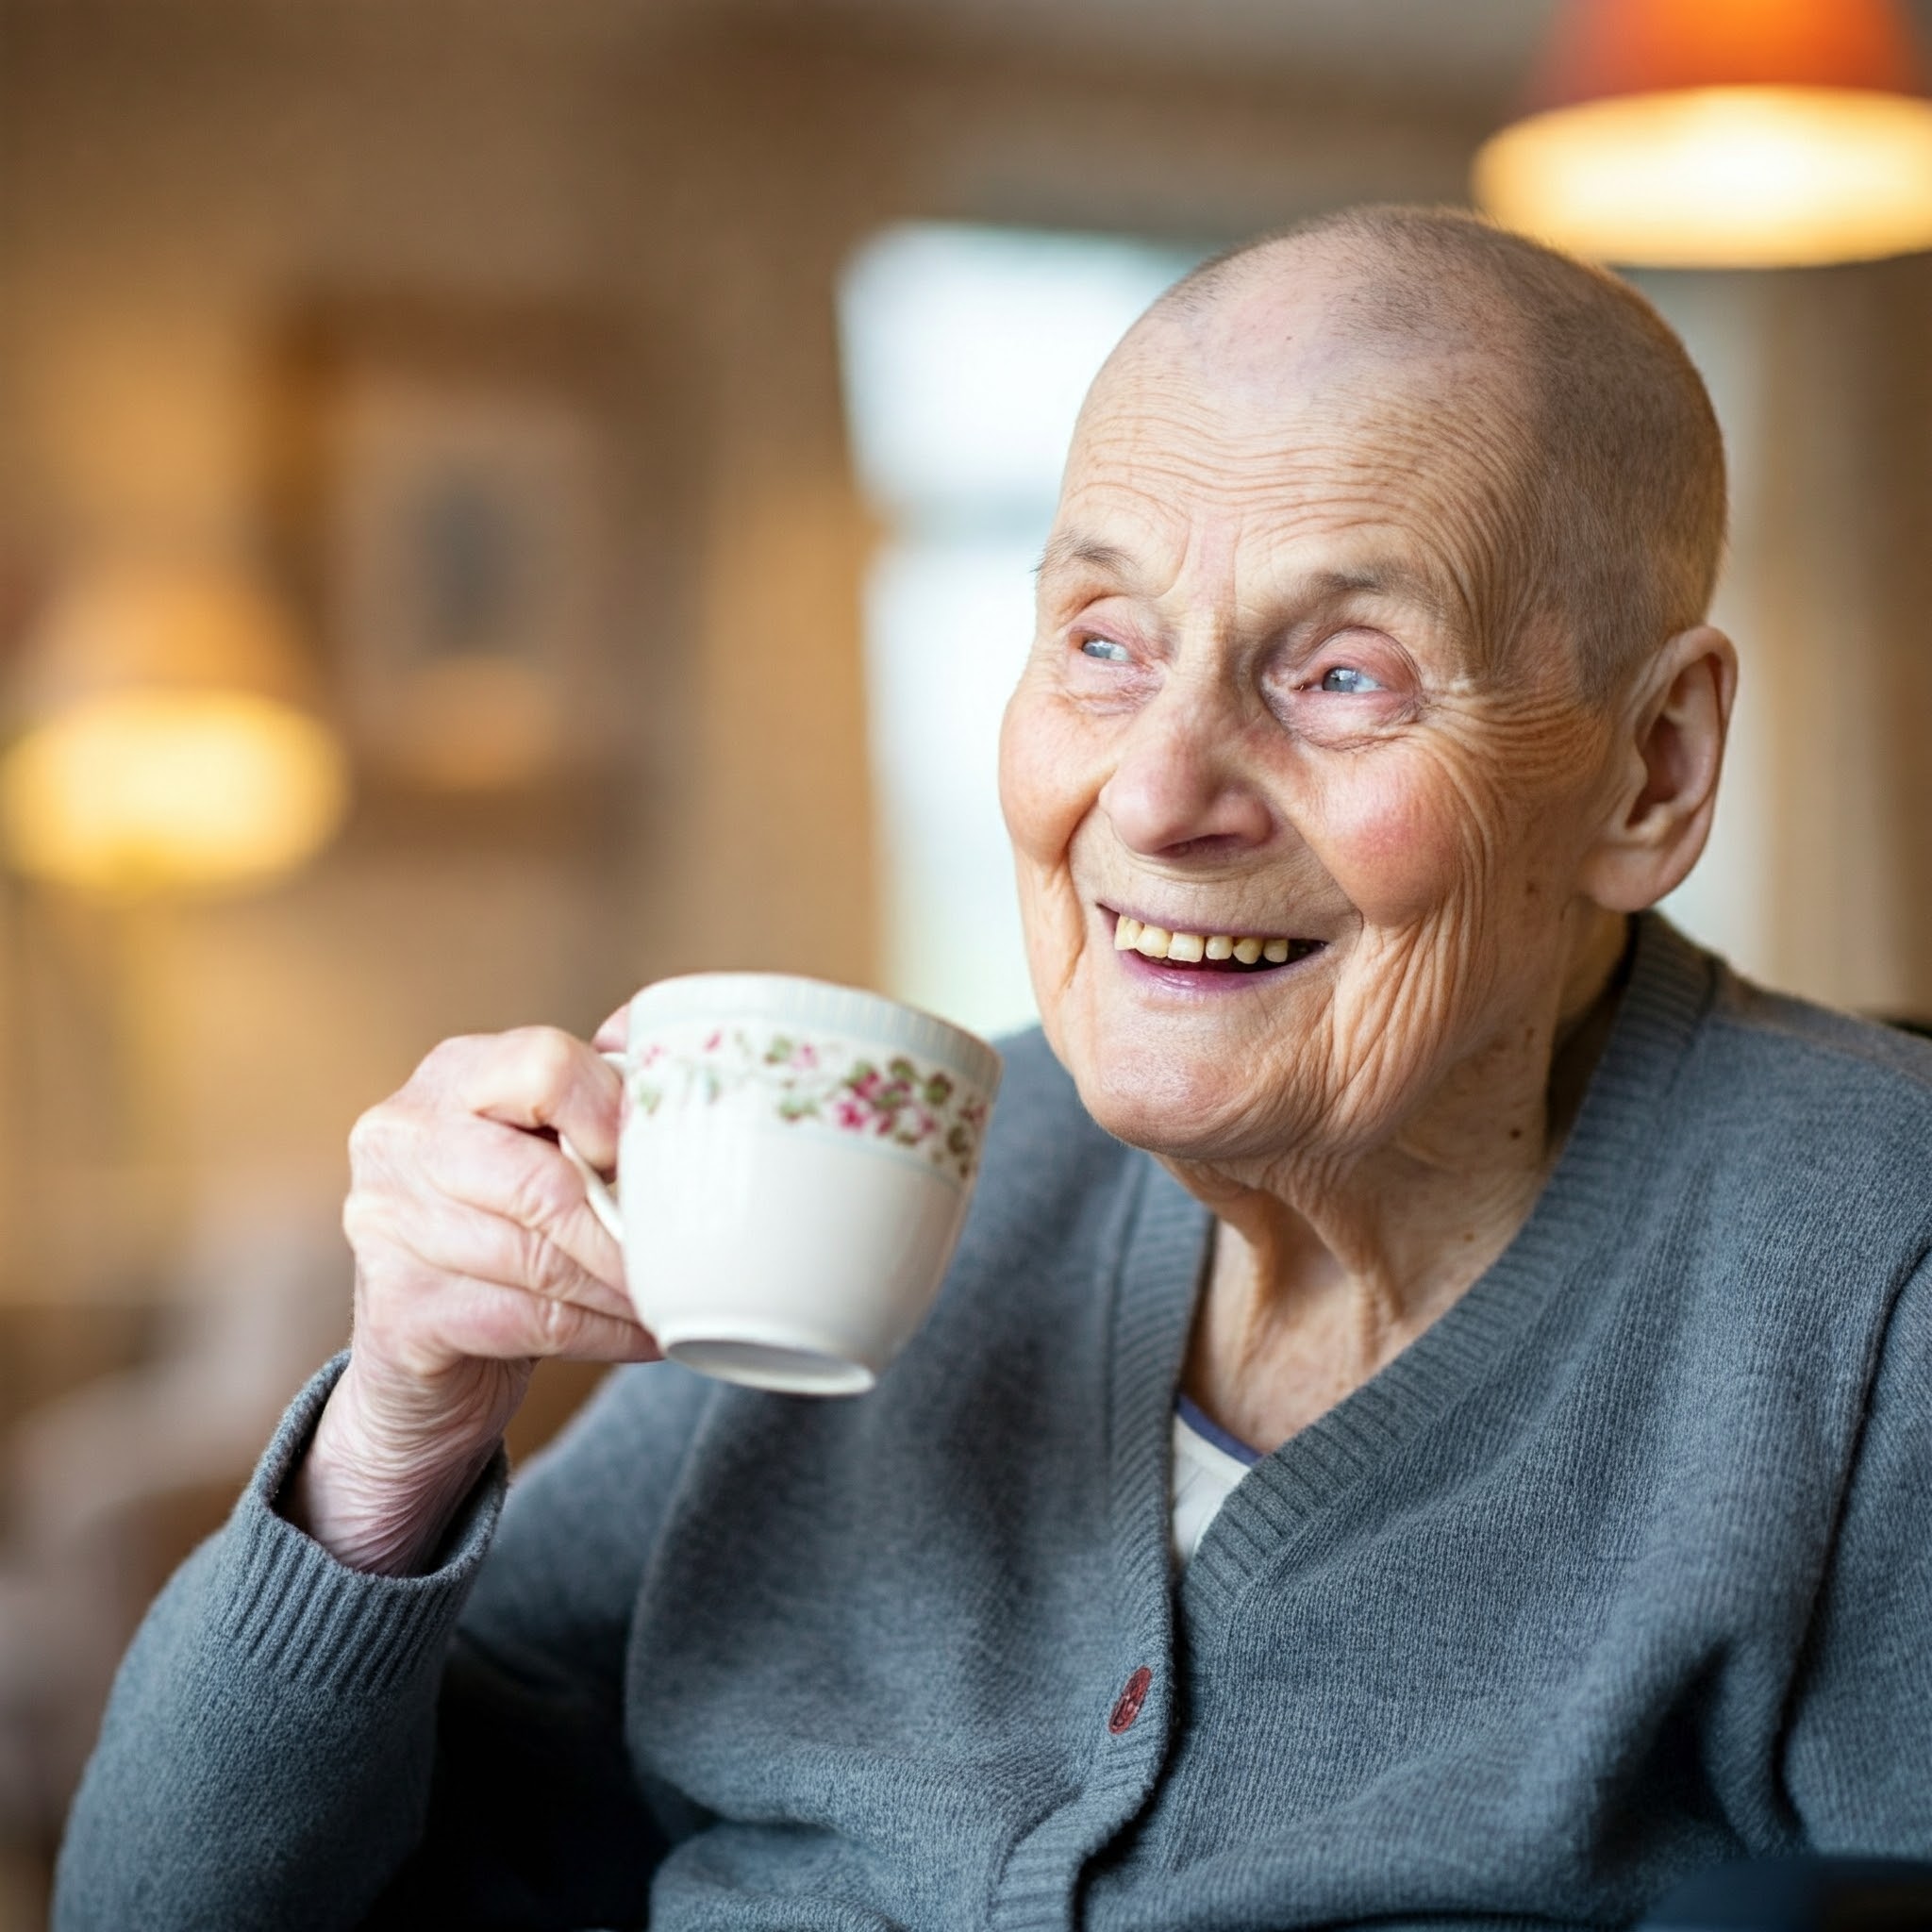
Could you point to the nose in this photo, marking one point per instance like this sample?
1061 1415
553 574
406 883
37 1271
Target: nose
1178 790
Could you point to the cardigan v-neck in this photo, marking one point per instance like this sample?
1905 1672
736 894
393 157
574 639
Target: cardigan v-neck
1567 1235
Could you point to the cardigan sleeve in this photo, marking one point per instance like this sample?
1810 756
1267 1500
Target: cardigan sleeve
292 1744
1859 1753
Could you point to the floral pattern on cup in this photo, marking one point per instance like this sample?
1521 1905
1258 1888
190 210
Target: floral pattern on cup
927 1111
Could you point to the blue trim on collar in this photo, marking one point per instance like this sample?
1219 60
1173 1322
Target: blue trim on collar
1209 1430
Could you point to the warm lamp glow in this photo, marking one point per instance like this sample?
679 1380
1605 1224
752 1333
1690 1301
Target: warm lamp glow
163 739
1723 134
172 789
1719 178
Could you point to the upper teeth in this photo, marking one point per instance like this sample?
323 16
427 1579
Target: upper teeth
1157 942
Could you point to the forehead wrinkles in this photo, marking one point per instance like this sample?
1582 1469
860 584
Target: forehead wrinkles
1428 446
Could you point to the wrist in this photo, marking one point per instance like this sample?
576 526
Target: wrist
376 1501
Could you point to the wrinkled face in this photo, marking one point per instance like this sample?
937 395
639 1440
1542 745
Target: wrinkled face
1268 702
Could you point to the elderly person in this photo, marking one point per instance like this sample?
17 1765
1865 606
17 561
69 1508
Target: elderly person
1429 1418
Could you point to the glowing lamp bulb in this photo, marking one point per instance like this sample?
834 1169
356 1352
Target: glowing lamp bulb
153 789
1719 177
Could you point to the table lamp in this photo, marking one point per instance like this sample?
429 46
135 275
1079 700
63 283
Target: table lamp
165 737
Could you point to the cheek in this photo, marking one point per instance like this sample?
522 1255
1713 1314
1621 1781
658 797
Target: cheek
1423 832
1047 780
1400 841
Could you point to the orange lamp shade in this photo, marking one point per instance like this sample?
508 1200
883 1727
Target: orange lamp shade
1721 133
1599 47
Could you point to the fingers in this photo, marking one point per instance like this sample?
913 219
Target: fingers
485 1320
445 1231
454 1185
531 1192
537 1076
422 1334
614 1035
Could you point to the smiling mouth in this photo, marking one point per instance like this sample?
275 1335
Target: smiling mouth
1216 952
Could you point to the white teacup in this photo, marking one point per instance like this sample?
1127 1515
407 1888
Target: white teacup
793 1170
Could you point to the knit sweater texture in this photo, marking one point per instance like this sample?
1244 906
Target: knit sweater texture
1623 1568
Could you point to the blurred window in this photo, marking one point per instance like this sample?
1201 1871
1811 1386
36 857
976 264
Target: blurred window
967 351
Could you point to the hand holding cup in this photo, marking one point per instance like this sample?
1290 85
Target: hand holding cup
797 1159
476 1255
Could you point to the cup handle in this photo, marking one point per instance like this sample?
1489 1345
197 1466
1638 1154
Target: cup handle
597 1191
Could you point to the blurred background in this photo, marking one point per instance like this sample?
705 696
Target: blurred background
500 501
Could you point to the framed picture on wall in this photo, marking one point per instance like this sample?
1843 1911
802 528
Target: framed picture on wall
446 488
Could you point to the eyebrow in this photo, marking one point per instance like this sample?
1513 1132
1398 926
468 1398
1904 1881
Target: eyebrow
1066 548
1389 580
1380 580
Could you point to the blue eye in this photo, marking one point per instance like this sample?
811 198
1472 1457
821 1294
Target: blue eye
1105 649
1347 680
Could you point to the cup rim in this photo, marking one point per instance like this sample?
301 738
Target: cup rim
848 1013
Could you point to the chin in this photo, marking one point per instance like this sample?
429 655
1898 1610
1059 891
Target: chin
1188 1107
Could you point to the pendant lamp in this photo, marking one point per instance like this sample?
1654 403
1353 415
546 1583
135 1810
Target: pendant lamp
1721 134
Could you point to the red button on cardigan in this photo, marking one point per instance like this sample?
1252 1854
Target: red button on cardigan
1127 1707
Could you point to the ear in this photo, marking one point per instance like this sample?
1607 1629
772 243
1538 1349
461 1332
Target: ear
1670 737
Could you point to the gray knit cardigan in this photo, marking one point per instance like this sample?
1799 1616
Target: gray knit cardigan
1624 1567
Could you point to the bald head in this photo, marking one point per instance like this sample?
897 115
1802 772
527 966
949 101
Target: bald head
1615 505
